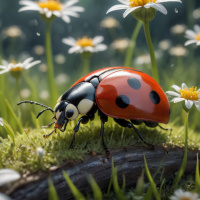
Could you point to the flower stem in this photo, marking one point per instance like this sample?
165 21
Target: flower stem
184 162
52 86
18 87
151 51
86 62
129 52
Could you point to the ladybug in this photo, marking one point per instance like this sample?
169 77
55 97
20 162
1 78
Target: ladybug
129 96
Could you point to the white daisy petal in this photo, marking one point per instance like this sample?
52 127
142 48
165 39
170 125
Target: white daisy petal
28 8
129 10
177 99
48 14
125 2
97 40
28 60
74 49
100 47
183 86
176 87
28 3
197 29
188 104
77 9
158 7
165 1
71 13
70 3
191 34
32 64
197 104
2 67
171 93
90 49
4 71
66 19
117 7
190 42
198 43
69 41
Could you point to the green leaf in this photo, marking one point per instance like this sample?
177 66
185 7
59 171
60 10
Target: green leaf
8 128
152 184
140 186
52 191
119 192
95 188
13 115
77 195
197 177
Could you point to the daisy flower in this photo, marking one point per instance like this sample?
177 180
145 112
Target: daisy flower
85 44
193 36
189 95
181 194
53 8
132 5
16 68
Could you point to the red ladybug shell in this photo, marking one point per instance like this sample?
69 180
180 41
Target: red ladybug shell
129 94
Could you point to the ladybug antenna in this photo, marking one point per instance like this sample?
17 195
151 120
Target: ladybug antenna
33 102
44 111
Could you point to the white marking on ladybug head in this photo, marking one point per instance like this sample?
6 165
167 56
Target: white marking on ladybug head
85 106
58 113
71 112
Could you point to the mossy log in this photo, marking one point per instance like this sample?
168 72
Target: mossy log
130 162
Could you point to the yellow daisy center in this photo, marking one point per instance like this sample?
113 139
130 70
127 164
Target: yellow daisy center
197 37
51 5
85 42
185 198
16 69
135 3
190 93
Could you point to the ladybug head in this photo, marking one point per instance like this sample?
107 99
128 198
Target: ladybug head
64 112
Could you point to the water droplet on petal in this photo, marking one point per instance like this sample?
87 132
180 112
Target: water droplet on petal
176 10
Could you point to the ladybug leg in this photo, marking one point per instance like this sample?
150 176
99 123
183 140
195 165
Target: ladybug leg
166 129
104 118
48 125
83 120
124 123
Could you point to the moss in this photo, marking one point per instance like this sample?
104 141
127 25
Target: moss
23 155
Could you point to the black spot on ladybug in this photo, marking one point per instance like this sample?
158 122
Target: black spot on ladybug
155 98
134 83
122 101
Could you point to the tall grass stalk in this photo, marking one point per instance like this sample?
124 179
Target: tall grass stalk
184 161
151 51
131 47
50 71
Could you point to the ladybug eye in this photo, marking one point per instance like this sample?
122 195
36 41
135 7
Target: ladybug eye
71 112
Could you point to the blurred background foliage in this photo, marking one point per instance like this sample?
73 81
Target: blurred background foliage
175 65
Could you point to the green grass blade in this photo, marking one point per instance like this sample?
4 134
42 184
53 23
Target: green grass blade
119 192
77 195
140 186
8 128
152 184
95 188
197 177
13 115
52 191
